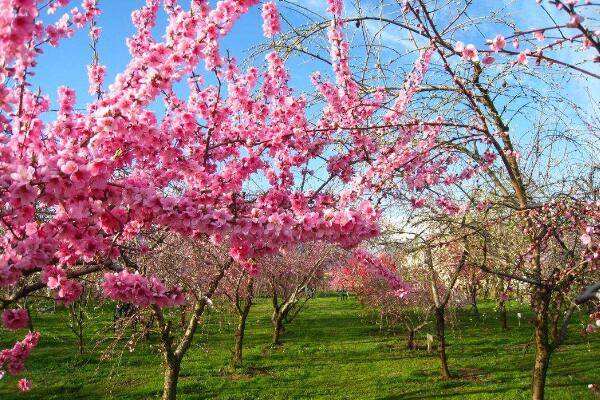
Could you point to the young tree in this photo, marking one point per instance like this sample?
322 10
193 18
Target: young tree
239 288
291 278
410 307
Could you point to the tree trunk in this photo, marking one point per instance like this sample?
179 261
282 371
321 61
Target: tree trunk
81 340
474 301
441 337
543 350
277 321
239 337
412 345
29 320
172 368
540 369
503 317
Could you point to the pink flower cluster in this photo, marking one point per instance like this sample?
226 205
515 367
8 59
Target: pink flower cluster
15 319
96 74
468 52
335 7
139 290
375 263
14 359
271 24
56 278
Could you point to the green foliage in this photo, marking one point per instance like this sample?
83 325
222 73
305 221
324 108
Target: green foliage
333 350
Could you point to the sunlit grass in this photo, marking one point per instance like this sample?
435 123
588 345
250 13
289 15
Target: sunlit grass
333 350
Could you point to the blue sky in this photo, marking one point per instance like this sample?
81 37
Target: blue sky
66 65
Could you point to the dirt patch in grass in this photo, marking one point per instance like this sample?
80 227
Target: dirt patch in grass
247 374
472 375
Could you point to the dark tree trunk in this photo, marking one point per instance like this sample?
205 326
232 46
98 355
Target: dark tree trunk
474 301
441 337
29 320
503 316
277 321
239 336
172 369
543 350
81 340
411 344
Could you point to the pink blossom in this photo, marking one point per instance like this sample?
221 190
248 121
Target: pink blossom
459 47
586 239
137 289
95 32
14 358
15 319
575 20
498 43
488 59
68 292
24 385
470 53
399 288
96 74
53 276
335 7
271 24
522 58
69 167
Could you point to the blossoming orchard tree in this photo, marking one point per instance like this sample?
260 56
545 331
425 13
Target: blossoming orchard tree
515 86
234 157
291 280
410 306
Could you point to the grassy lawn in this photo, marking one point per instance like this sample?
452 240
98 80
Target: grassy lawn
333 350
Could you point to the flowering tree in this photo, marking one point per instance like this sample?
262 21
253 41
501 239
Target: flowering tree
239 288
499 84
80 183
292 278
409 307
77 186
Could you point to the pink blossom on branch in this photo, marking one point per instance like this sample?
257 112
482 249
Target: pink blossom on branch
139 290
13 359
15 319
498 43
271 24
397 287
335 7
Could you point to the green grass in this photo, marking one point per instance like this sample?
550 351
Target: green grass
333 350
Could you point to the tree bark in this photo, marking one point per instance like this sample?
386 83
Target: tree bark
412 345
172 367
543 349
473 293
441 337
239 336
503 316
540 370
277 321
